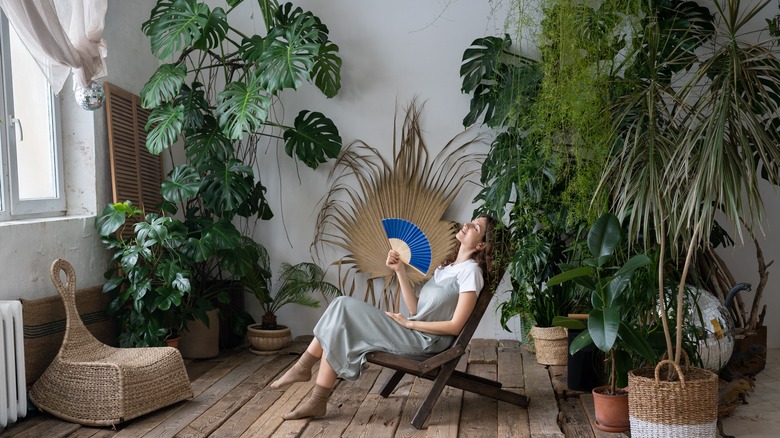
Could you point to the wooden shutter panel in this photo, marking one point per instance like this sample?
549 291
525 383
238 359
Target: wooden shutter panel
136 174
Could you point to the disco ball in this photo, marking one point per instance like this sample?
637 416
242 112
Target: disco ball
713 318
90 97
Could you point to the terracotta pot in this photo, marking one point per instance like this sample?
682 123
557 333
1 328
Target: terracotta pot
173 341
263 341
611 410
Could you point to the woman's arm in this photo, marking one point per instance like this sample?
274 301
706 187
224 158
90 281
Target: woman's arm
466 303
407 292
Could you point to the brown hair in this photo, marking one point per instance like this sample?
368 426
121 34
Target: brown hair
483 257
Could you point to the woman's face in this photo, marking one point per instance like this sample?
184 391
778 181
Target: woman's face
472 234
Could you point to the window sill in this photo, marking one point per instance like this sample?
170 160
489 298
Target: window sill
44 220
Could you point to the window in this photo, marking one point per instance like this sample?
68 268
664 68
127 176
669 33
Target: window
30 151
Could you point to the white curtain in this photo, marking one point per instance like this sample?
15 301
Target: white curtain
62 36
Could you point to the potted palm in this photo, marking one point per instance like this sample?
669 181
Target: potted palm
296 283
608 326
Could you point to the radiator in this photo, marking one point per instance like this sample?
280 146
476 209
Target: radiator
13 391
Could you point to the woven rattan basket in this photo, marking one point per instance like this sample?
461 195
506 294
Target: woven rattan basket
684 408
552 345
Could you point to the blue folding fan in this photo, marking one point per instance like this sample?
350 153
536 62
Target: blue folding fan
410 242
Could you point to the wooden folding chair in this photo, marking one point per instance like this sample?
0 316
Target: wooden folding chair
440 368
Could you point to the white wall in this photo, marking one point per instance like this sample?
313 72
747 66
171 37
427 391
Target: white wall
28 248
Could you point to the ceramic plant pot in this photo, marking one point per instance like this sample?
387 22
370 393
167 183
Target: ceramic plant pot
263 341
611 410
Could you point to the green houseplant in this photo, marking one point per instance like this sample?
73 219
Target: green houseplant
296 283
543 165
215 95
608 326
148 272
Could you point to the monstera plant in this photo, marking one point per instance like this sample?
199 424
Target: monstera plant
215 95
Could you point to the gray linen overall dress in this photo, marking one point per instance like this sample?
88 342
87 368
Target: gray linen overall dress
350 328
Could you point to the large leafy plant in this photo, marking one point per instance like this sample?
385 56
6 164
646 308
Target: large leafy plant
153 270
215 95
533 174
149 273
608 325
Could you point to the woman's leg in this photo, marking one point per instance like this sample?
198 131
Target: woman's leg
314 348
301 371
317 404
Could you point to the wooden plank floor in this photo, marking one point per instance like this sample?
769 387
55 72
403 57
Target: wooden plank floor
232 400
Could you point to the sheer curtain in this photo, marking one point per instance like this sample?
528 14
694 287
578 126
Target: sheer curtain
62 36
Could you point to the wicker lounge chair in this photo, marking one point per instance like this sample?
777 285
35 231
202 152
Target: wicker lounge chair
94 384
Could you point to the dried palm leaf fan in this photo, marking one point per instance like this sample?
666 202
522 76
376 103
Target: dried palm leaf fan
366 190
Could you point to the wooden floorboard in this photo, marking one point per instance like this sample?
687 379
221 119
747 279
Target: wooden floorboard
543 408
232 399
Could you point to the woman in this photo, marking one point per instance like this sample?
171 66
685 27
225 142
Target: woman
351 328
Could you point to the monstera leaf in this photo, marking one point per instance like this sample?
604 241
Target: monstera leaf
215 237
208 144
166 123
243 107
176 25
313 137
225 187
481 59
214 30
196 108
288 58
163 86
327 69
182 182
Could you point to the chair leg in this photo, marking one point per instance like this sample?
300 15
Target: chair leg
486 387
438 386
391 383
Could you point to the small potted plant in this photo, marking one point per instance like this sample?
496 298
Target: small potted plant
607 326
296 283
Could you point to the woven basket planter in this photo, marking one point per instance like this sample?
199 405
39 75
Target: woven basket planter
267 341
687 408
552 345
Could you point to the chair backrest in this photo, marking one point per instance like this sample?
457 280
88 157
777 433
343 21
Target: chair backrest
77 336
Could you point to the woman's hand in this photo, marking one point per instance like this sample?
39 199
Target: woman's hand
394 262
400 319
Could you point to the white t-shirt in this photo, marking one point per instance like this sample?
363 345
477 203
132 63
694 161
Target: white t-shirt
468 272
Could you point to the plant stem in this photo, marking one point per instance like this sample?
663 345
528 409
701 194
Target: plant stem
681 295
613 373
661 298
